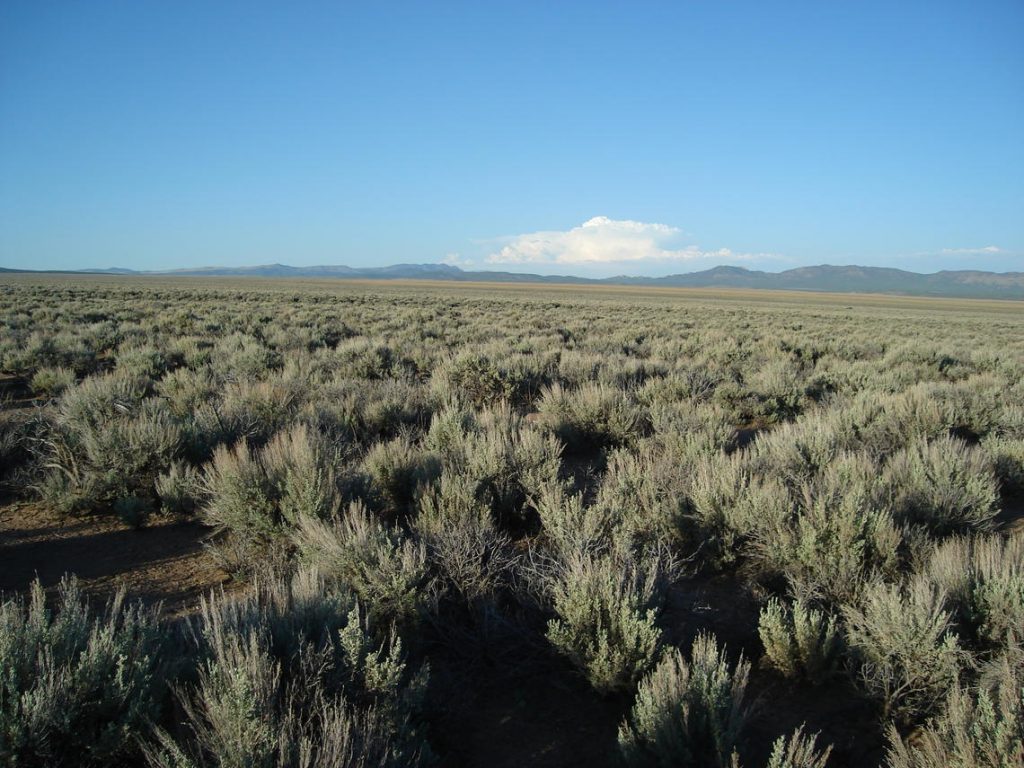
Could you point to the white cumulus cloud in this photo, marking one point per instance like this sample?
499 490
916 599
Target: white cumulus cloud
456 260
968 251
602 240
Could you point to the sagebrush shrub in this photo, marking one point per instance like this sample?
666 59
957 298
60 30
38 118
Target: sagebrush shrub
479 381
831 537
398 469
108 441
983 579
688 713
799 641
714 505
887 424
76 688
606 621
572 527
257 497
290 676
1007 455
944 486
592 416
300 468
906 655
473 559
644 493
385 570
798 750
981 728
52 381
238 494
179 489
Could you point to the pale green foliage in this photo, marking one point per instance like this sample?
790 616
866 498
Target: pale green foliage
98 399
592 416
76 688
384 569
885 424
480 381
983 578
688 713
507 461
834 537
907 656
632 518
795 453
718 485
52 381
249 409
299 467
572 527
943 485
291 678
107 442
606 622
976 729
398 469
241 356
179 489
364 410
799 641
238 493
643 492
143 360
798 750
255 495
805 449
1007 454
687 427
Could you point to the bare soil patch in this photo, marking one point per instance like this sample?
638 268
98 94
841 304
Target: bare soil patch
164 562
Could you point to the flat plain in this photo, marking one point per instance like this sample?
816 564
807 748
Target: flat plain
468 524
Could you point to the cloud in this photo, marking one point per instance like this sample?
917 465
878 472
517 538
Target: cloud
969 251
456 260
601 240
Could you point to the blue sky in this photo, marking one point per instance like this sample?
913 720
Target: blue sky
573 138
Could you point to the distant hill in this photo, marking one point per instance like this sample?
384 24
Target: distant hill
844 279
852 279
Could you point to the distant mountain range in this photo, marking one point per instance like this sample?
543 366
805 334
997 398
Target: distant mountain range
850 279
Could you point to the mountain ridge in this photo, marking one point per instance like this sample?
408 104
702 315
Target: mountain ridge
824 277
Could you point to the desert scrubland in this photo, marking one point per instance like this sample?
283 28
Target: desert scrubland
317 523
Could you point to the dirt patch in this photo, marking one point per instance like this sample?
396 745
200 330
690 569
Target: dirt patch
536 715
164 562
835 710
